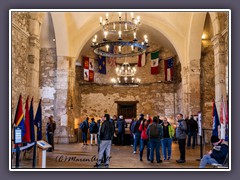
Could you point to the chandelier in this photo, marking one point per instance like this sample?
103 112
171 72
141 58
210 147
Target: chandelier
125 75
120 37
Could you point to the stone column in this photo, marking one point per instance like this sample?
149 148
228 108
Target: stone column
194 86
33 55
185 91
64 95
220 65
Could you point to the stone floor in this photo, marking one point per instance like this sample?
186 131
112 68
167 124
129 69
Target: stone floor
76 156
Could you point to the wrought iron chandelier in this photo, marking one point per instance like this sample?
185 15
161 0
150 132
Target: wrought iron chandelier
125 75
120 38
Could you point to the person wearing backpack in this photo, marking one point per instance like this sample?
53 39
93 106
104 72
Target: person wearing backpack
121 125
168 133
84 126
181 137
155 132
93 128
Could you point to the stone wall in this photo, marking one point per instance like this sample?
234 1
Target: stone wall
154 99
20 68
207 88
48 65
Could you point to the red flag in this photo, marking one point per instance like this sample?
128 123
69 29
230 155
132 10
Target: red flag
26 137
141 60
223 119
88 69
168 69
19 116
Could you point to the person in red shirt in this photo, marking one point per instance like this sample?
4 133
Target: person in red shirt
144 139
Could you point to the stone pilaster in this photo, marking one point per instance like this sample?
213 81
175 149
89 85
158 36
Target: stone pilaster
64 95
220 71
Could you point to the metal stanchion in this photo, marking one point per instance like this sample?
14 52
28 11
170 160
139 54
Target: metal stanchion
34 155
17 156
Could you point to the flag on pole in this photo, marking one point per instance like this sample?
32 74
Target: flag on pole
88 69
102 64
168 69
31 116
141 60
223 120
19 116
26 137
216 122
154 62
38 121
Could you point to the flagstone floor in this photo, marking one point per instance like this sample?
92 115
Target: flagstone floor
75 156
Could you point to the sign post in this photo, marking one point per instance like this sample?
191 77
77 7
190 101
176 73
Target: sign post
200 134
43 146
17 140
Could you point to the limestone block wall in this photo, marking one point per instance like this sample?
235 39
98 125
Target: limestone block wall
207 87
20 35
154 99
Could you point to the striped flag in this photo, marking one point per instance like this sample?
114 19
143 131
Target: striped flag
19 116
141 60
216 122
168 69
26 137
223 119
154 62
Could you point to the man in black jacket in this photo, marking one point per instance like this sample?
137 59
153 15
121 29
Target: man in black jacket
192 132
106 135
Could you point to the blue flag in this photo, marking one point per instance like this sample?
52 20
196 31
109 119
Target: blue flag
31 115
216 122
38 121
102 64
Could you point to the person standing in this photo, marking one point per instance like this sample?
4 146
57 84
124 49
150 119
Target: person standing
144 139
93 131
121 125
168 132
51 126
106 134
137 132
84 126
181 137
154 132
192 132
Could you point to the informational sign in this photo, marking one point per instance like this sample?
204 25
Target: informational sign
200 124
43 144
17 135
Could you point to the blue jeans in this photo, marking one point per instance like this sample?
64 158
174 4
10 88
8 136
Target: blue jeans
142 145
84 137
206 159
155 144
194 136
167 144
137 137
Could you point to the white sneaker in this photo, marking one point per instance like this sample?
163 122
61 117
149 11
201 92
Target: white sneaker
134 152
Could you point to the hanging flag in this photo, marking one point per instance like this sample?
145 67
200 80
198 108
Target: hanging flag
38 121
19 116
26 137
31 116
141 60
223 120
168 69
216 122
112 60
102 64
154 62
88 69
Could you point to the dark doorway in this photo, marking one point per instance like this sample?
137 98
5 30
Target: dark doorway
127 109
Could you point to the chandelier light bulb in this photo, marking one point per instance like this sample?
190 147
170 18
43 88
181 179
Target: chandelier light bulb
100 20
132 47
125 26
119 34
95 37
134 35
106 15
135 21
138 19
114 26
107 47
145 37
105 34
132 15
120 15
